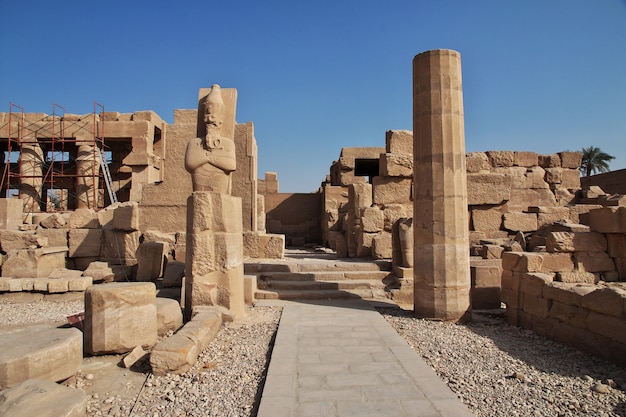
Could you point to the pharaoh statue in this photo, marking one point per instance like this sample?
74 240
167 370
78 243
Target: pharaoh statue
211 159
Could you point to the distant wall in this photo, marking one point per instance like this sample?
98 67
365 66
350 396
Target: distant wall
296 215
613 182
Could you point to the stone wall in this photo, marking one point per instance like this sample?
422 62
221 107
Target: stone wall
570 292
295 215
613 182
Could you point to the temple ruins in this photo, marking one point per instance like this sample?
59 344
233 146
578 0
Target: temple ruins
169 224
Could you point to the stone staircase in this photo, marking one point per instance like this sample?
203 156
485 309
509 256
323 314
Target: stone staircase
309 275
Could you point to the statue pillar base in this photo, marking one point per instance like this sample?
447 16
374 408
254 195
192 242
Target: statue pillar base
214 267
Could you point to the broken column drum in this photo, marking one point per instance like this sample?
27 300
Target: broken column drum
88 170
214 264
440 220
31 171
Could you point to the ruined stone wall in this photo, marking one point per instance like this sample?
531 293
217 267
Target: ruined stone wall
613 182
296 215
571 291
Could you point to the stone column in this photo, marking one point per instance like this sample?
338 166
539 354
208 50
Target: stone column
88 170
31 171
440 220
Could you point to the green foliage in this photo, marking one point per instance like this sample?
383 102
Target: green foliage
594 160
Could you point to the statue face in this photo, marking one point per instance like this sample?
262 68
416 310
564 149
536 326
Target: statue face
213 113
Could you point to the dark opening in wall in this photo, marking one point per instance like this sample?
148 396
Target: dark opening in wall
366 168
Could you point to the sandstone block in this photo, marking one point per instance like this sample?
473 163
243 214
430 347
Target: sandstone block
575 242
520 222
511 280
609 301
549 161
271 246
41 284
486 219
178 353
487 188
570 179
185 116
396 165
501 158
174 273
608 220
569 314
533 284
120 316
399 141
486 273
364 244
16 239
55 237
557 262
54 221
126 216
476 162
522 199
79 284
491 251
103 272
33 263
40 352
169 315
59 285
150 259
390 190
554 175
522 261
359 195
571 160
608 326
372 219
575 277
381 246
84 242
567 293
558 214
616 243
394 212
35 397
594 262
119 248
526 159
511 298
538 307
11 212
133 357
158 236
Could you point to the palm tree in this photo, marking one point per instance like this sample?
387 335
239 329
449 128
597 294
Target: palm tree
594 160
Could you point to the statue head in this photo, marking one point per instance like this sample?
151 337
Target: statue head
214 107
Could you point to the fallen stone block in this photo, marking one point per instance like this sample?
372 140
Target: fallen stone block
174 273
54 221
178 353
133 357
169 315
576 242
34 263
150 258
103 272
84 219
40 352
120 316
35 397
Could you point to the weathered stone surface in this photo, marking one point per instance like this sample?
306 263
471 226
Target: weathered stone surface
574 277
549 161
55 237
569 314
395 212
594 262
567 293
396 165
372 219
520 222
125 216
119 248
487 188
557 262
381 246
169 315
54 221
174 273
133 357
501 158
390 190
84 219
399 141
216 212
486 219
570 179
571 160
526 159
491 251
33 263
35 397
476 162
607 300
120 316
271 246
41 352
15 239
359 195
249 288
11 212
522 261
608 326
575 242
84 242
178 353
150 259
534 283
103 272
608 220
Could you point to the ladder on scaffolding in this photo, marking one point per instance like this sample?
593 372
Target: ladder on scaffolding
107 176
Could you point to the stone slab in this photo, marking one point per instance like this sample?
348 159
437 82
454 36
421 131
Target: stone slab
40 398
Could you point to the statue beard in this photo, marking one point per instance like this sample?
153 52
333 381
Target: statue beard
212 140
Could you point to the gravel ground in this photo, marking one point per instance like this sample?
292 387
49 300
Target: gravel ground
502 370
496 369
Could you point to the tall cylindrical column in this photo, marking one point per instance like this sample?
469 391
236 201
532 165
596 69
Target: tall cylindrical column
440 220
88 170
31 171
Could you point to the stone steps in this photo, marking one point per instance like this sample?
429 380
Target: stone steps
309 277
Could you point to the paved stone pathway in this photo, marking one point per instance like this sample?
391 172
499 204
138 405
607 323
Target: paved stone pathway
341 358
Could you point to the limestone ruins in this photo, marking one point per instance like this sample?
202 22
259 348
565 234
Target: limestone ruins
160 224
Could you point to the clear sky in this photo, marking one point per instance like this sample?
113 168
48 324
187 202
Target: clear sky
316 76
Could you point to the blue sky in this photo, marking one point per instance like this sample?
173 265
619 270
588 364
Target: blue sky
316 76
